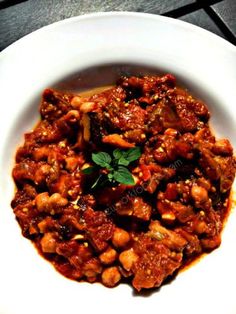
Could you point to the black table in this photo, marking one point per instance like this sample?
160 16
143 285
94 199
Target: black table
18 17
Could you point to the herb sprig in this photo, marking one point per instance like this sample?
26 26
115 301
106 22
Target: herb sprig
115 165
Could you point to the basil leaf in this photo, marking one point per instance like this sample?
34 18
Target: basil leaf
123 162
117 153
132 154
102 159
89 170
116 165
122 175
110 177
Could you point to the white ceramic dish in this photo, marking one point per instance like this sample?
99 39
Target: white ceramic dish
109 43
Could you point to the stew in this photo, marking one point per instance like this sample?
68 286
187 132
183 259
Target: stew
126 185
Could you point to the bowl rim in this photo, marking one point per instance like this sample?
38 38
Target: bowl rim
97 15
185 277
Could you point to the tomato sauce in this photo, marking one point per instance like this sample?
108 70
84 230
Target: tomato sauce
125 183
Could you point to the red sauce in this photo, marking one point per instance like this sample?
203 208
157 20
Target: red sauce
143 233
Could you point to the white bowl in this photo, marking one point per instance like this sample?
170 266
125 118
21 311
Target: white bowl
81 53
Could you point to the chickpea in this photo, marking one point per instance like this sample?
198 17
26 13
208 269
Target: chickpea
200 227
42 201
41 173
48 243
127 259
45 203
199 194
56 200
92 268
111 276
120 237
87 106
108 257
77 101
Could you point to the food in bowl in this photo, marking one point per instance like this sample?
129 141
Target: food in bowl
126 185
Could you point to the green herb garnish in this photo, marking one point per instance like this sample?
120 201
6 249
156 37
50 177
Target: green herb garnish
115 166
102 159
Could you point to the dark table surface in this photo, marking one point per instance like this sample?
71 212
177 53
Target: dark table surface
18 17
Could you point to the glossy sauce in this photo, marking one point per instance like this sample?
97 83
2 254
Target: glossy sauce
141 234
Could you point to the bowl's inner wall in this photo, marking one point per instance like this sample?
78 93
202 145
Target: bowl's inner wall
97 76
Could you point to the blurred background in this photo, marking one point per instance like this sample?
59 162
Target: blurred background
20 17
